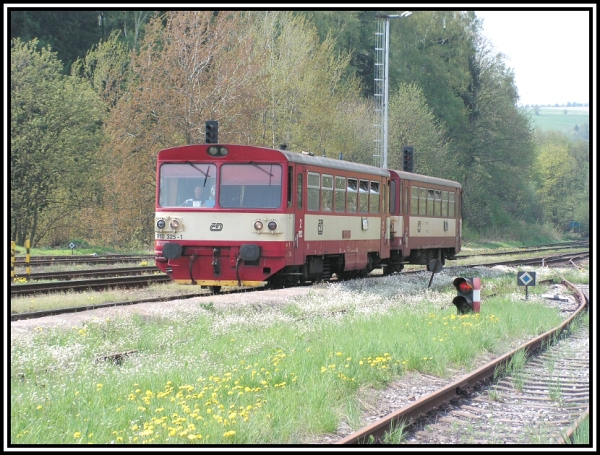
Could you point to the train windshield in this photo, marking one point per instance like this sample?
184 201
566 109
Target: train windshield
187 184
250 185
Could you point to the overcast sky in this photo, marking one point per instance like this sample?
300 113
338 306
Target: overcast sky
549 52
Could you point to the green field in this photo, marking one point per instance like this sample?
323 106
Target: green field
554 118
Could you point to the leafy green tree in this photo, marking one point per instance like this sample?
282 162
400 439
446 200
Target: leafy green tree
353 32
130 24
412 122
69 33
56 123
306 86
562 170
106 67
499 146
432 50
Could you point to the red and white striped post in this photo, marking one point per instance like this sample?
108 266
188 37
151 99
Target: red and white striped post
476 294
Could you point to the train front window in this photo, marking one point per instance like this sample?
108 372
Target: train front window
251 185
178 183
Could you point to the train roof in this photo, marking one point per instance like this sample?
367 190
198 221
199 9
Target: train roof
296 157
426 179
329 163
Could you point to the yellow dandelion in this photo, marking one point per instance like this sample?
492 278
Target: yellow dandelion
77 434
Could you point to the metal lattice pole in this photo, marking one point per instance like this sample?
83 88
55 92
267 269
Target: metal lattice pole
382 45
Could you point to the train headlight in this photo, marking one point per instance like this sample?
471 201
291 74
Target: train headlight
258 225
272 225
174 224
160 224
217 150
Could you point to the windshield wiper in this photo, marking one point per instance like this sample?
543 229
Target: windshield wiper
197 168
264 170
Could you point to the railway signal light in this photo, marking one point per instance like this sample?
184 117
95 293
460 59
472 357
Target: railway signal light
407 158
464 300
212 132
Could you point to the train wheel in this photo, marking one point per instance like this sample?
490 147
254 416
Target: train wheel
215 289
393 268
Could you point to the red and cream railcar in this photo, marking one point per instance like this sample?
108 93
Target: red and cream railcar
425 217
277 216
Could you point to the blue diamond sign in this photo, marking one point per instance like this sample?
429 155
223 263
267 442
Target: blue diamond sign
526 278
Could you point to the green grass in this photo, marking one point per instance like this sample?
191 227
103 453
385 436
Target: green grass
556 119
248 376
582 433
82 249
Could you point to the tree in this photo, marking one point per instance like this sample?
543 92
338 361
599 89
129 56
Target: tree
562 176
306 86
69 33
353 33
411 122
106 67
191 66
56 125
495 145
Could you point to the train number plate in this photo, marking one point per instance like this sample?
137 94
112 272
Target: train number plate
161 236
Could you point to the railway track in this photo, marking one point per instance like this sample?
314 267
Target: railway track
551 392
38 261
85 285
530 249
91 273
145 280
104 283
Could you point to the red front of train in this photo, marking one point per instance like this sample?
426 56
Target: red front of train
220 215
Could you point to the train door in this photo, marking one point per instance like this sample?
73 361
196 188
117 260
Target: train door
385 220
299 210
407 208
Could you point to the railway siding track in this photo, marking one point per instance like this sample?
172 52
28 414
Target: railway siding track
540 400
53 260
92 273
79 285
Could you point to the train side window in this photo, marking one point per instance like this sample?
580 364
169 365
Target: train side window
352 195
400 198
327 193
422 201
430 201
374 197
289 186
393 196
451 204
444 203
314 185
384 199
299 188
414 207
363 196
340 194
437 202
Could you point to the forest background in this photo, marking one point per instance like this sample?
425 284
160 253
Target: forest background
96 94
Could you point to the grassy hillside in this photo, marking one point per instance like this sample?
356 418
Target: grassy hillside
554 118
